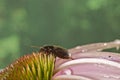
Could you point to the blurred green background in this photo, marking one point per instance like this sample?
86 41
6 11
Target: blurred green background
68 23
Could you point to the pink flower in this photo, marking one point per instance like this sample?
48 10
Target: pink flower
90 63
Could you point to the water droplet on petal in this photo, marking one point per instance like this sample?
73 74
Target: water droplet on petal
67 71
105 44
84 50
78 47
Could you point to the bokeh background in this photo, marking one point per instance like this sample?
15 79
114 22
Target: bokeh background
68 23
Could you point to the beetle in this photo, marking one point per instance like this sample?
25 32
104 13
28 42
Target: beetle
56 50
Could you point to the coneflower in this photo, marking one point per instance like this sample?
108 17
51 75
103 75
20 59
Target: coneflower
89 63
36 66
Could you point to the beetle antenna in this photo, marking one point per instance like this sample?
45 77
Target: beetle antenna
35 46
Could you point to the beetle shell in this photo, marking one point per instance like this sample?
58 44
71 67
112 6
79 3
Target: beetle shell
56 50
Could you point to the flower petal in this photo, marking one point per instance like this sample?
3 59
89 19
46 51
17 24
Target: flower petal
71 77
101 55
95 47
91 67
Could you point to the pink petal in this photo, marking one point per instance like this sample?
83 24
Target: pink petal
102 70
95 47
107 67
102 55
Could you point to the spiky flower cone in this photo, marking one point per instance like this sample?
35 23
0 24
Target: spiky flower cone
37 66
